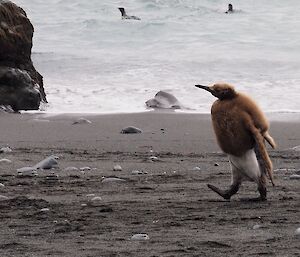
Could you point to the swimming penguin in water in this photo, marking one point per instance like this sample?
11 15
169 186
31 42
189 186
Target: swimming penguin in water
127 17
230 9
241 129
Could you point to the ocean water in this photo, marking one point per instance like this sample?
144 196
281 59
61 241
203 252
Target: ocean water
95 62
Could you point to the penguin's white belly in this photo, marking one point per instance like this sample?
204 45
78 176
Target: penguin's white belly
245 167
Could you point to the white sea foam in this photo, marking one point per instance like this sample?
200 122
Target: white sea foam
92 61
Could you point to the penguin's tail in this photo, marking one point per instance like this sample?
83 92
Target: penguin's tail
269 139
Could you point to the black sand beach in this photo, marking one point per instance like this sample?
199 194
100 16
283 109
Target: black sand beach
169 201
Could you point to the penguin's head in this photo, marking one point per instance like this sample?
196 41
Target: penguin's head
220 90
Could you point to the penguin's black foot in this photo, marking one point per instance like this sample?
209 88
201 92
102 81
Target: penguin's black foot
223 193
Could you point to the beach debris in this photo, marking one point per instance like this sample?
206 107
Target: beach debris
3 197
112 179
5 149
27 172
153 158
131 130
48 163
297 232
117 168
5 161
81 121
196 168
139 172
295 177
140 237
44 210
71 169
96 198
257 226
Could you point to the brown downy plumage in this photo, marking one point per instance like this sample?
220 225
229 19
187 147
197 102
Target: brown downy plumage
239 124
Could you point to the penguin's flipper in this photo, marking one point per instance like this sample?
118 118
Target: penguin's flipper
262 154
269 139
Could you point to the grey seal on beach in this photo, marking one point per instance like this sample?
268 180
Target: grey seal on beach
164 100
127 17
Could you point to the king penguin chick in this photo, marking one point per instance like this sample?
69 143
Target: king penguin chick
241 129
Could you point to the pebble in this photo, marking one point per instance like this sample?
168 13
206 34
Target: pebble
5 149
117 168
96 198
85 168
297 232
216 164
196 168
2 185
153 158
3 197
105 180
138 172
131 130
71 169
44 209
256 226
90 195
5 161
52 177
48 163
81 121
295 176
140 237
83 204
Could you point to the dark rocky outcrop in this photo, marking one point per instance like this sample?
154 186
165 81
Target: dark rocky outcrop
21 86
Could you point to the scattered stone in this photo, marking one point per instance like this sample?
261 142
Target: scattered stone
296 148
117 168
83 204
81 121
297 232
216 165
153 158
48 163
5 161
96 198
52 178
140 237
295 177
2 185
196 168
112 179
257 226
85 168
27 172
5 149
44 210
138 172
71 169
90 195
131 130
3 197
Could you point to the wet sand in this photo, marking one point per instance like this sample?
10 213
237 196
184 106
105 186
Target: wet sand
169 201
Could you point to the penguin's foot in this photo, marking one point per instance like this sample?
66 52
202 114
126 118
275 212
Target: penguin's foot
223 193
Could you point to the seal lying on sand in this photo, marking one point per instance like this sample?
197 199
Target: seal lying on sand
127 17
241 129
164 100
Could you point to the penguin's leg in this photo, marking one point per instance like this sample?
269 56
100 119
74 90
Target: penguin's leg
234 187
262 181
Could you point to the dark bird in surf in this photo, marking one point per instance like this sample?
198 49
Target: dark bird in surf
127 17
241 130
230 9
